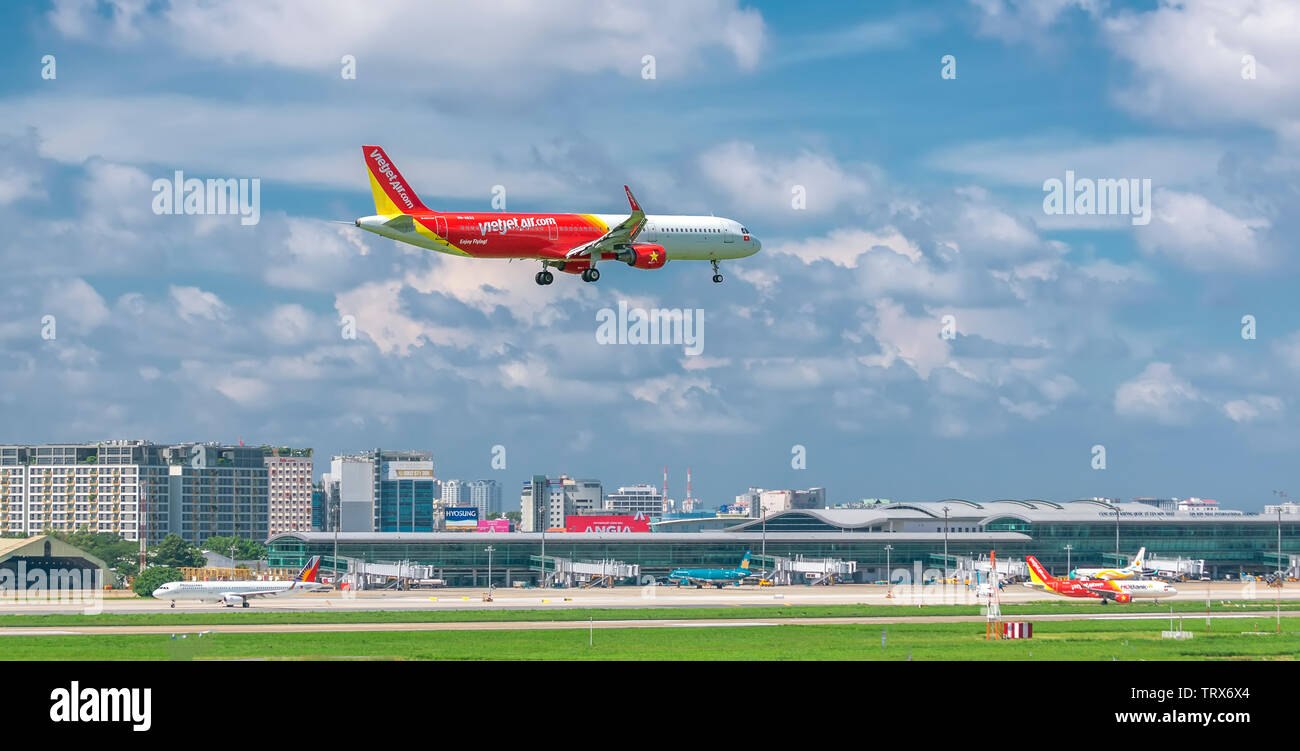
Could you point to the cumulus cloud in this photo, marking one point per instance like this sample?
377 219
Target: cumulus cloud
1253 407
1158 394
843 247
192 303
1191 231
1187 60
765 183
497 43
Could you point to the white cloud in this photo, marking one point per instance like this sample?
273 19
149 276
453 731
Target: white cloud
915 341
763 184
77 307
843 247
288 324
1026 20
1253 407
1193 232
1287 350
1187 59
1157 394
493 42
1028 161
192 302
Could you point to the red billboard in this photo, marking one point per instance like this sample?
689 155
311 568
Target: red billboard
638 523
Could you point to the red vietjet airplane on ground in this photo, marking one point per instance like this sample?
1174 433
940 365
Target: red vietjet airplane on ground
1121 591
573 243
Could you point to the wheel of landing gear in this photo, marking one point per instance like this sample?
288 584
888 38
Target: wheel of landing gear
590 275
547 277
717 278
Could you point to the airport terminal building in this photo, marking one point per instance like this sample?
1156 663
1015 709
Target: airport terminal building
909 536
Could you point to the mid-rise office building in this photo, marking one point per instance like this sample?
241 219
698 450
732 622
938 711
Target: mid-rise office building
319 509
638 499
289 480
545 503
453 492
485 495
383 491
776 501
134 488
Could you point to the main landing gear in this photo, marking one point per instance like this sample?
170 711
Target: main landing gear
544 277
717 277
590 275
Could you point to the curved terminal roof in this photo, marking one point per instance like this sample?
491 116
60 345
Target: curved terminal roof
969 512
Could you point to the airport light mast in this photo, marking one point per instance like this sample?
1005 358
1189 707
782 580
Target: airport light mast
945 542
489 550
889 577
1068 569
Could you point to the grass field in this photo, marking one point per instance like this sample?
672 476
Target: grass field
1058 640
224 615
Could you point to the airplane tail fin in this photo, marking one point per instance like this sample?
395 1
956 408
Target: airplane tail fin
308 572
393 194
1140 560
744 562
1038 574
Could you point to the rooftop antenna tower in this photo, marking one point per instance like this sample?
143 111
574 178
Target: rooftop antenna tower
665 498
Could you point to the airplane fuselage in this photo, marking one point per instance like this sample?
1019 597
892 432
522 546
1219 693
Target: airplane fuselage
217 591
552 236
1094 588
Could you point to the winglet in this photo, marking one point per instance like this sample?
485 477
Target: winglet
632 199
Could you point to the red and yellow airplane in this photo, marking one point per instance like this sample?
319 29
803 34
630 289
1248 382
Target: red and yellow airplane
1121 591
573 243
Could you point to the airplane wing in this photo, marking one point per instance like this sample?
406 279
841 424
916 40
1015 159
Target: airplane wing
1104 593
623 234
251 595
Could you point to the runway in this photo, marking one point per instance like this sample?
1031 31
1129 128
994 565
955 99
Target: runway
297 628
624 597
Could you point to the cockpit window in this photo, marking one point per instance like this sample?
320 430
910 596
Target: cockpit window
744 231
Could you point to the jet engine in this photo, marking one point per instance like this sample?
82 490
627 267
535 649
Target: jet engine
231 601
646 256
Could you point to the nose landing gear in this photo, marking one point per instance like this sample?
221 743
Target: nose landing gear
717 277
544 277
590 275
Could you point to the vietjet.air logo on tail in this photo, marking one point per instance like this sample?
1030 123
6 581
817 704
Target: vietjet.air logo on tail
395 181
387 180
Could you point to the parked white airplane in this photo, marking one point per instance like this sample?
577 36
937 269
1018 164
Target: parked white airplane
1131 571
232 593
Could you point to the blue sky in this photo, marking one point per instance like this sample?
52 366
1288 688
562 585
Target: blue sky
924 200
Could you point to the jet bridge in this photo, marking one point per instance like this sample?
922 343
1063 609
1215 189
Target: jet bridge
565 572
801 570
978 569
1183 569
363 575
